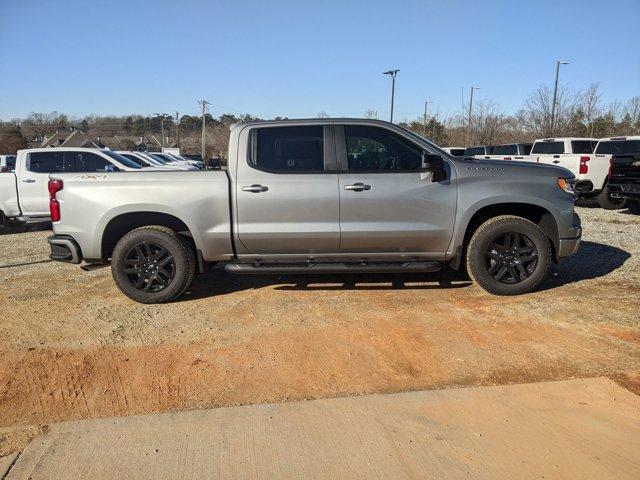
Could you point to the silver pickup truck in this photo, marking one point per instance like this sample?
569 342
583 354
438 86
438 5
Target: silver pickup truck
319 196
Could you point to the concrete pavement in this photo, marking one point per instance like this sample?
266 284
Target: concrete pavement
588 428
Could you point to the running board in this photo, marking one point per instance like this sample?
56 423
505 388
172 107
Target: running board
317 268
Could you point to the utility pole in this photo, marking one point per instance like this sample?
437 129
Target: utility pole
470 110
392 74
424 119
204 104
162 117
555 95
177 130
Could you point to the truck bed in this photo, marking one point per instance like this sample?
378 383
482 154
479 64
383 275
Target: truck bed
88 202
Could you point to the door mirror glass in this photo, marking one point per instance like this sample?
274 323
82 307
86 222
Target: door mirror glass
434 164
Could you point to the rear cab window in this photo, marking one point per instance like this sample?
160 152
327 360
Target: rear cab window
474 151
548 147
506 150
618 147
583 146
525 148
288 149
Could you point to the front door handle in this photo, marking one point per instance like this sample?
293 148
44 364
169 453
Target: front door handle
556 161
29 180
357 187
255 188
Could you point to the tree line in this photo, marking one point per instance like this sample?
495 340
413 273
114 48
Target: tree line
579 113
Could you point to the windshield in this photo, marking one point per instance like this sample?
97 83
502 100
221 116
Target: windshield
548 147
121 159
167 158
135 159
506 150
615 147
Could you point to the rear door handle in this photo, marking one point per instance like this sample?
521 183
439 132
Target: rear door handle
357 187
255 188
556 161
29 180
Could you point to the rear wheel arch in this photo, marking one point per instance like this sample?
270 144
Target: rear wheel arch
124 223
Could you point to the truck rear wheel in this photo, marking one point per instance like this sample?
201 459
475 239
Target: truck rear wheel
606 201
153 264
508 255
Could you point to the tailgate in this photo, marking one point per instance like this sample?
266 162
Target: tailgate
625 171
568 161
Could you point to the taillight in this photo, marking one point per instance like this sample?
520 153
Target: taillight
4 169
54 187
584 168
610 167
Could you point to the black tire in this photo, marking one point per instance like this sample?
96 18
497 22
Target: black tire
606 201
634 206
153 264
508 255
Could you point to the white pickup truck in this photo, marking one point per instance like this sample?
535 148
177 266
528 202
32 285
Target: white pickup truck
520 152
577 155
7 163
24 195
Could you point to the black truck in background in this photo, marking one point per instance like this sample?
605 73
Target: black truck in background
624 178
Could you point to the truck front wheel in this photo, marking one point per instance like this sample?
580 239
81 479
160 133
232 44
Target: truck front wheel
508 255
153 264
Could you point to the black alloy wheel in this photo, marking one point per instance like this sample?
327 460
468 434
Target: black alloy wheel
149 267
512 257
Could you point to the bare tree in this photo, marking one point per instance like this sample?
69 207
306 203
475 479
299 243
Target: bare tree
591 105
371 114
323 114
536 112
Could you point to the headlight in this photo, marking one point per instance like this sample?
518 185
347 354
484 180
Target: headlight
564 184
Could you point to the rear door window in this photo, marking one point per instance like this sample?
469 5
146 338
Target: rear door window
583 146
46 162
551 148
288 149
11 162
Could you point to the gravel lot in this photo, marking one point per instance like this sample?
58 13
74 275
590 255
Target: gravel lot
71 346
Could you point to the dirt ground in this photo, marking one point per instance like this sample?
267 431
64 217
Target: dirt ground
73 347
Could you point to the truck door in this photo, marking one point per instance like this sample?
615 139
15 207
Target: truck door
387 205
286 191
33 179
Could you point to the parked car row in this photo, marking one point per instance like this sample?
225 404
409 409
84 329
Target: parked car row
23 186
587 158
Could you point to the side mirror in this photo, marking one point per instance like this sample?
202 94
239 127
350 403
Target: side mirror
434 164
111 168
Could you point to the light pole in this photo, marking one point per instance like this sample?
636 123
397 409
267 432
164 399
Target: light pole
162 116
424 118
203 104
555 95
392 74
470 110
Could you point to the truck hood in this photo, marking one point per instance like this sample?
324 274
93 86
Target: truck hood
513 167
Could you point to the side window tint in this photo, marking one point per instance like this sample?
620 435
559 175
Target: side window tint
288 149
46 162
87 162
374 149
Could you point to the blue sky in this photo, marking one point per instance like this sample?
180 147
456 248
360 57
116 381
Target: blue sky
297 58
